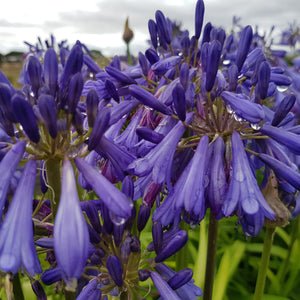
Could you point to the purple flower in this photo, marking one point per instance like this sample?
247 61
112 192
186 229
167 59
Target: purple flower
199 13
217 187
148 99
243 107
24 114
188 192
174 244
153 32
71 236
213 61
163 65
113 199
163 288
90 291
8 166
16 233
114 267
244 46
159 160
187 291
283 137
47 107
244 195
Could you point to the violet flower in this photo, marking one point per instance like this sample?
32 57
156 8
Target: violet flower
113 199
8 166
71 237
16 233
244 195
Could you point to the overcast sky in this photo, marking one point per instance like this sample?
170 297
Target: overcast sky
99 23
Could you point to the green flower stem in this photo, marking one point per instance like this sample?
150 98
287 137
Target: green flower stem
295 235
17 287
263 267
211 257
54 183
129 58
199 269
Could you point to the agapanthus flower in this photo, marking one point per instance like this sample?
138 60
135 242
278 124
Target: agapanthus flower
244 194
17 248
70 246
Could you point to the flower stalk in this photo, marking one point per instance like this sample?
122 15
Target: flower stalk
263 266
211 257
54 181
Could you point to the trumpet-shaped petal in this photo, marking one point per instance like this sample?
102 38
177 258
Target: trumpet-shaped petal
8 166
71 236
283 137
244 195
163 288
113 199
16 233
252 112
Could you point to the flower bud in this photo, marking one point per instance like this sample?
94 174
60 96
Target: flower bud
244 46
38 290
178 95
47 108
162 26
157 235
149 135
199 13
180 278
176 242
100 126
51 70
74 92
213 61
34 73
128 33
143 216
24 114
153 33
114 267
148 99
111 90
283 108
152 56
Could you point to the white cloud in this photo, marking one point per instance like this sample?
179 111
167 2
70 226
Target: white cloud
99 23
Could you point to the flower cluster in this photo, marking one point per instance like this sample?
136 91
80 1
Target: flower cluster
186 129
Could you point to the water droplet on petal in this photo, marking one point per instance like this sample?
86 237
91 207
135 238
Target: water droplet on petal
229 109
282 88
255 126
116 219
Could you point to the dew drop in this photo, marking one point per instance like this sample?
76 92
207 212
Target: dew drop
229 109
282 88
237 118
255 126
116 219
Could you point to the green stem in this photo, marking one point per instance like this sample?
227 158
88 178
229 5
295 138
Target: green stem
263 267
182 256
284 266
17 287
199 269
54 183
129 58
211 257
